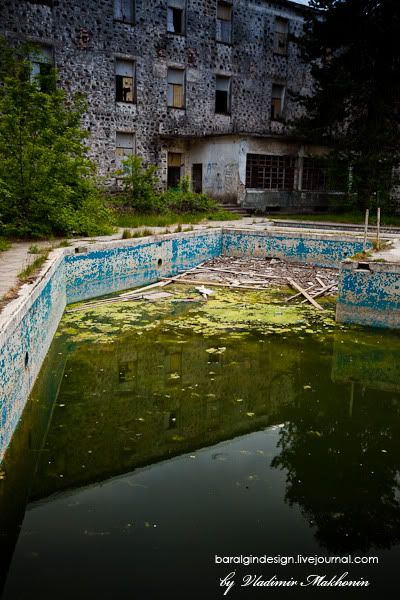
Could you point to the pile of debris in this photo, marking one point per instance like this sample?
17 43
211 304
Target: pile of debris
246 273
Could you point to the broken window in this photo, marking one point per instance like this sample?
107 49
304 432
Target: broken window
223 95
41 67
270 172
124 81
175 160
281 36
176 88
124 146
176 16
277 101
224 22
313 175
124 10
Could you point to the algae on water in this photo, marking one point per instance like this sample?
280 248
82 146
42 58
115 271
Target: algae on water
235 311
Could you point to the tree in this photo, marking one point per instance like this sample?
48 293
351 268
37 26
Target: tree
46 180
352 46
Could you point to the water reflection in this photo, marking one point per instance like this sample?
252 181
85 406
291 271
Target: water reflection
103 410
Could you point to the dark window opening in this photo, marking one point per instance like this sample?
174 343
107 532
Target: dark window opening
124 89
222 95
270 172
197 178
174 176
277 102
175 20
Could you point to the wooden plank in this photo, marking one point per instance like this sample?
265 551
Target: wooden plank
216 284
299 293
298 287
320 292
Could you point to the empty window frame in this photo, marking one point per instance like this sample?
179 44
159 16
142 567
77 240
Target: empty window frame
41 59
223 95
270 172
124 10
224 22
176 16
124 81
277 101
124 146
176 88
281 36
175 163
314 179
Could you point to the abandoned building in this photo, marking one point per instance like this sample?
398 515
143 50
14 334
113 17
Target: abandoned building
204 88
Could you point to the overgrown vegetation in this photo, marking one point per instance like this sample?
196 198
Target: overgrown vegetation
47 184
352 46
140 193
4 245
30 270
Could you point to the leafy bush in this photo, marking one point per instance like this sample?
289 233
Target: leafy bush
140 192
47 182
139 185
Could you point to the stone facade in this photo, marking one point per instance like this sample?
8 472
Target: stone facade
258 62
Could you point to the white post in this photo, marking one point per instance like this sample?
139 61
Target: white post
366 229
378 228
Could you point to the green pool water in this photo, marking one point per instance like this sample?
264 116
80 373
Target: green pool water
160 435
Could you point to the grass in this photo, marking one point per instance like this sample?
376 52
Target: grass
31 269
347 217
163 220
4 245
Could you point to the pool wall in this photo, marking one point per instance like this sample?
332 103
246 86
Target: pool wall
28 323
369 294
320 250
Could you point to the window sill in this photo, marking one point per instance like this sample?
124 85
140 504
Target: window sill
277 53
224 43
126 103
223 114
181 108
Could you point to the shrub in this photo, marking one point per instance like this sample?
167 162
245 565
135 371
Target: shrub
139 185
46 179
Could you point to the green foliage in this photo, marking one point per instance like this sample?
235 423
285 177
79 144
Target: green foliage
139 185
353 48
140 191
46 180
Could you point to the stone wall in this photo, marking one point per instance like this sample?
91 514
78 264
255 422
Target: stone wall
87 41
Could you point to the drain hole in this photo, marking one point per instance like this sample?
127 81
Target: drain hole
159 262
363 266
26 359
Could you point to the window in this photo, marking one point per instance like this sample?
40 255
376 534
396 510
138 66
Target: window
224 22
223 95
124 146
41 67
277 101
176 88
176 16
314 179
270 172
175 161
124 81
281 36
124 10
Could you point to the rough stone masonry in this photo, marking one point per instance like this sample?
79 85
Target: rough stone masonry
197 87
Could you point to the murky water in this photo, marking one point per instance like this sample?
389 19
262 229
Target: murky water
160 435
